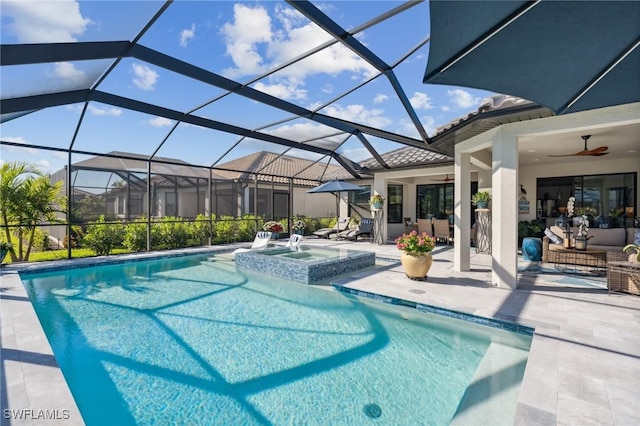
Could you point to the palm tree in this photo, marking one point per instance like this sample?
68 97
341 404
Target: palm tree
12 194
27 199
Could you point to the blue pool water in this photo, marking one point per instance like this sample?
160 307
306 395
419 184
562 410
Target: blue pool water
191 340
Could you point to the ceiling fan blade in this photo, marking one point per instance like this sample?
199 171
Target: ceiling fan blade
598 154
599 149
567 155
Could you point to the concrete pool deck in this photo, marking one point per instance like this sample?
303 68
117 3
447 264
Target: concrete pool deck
583 366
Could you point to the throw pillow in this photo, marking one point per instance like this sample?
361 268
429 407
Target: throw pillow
636 237
552 237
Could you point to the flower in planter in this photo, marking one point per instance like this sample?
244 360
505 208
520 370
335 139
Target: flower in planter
570 206
583 227
272 226
415 243
376 199
299 225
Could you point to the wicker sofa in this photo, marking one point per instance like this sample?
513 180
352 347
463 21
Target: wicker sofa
611 240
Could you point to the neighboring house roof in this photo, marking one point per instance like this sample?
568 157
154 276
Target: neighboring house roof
265 164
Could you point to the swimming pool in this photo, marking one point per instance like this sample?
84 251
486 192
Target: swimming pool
306 265
193 340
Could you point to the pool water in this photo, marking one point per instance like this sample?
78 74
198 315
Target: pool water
191 340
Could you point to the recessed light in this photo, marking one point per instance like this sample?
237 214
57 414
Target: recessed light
532 150
536 159
633 150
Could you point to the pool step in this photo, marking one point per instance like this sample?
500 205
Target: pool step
492 394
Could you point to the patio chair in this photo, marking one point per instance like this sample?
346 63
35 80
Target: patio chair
293 242
365 227
425 225
259 243
441 230
340 226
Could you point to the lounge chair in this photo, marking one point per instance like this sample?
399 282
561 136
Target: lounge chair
259 243
293 242
365 227
425 225
340 226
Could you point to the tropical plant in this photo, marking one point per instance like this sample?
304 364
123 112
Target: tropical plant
5 246
415 243
27 199
630 248
299 225
480 198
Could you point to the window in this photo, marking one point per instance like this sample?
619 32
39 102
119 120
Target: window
394 203
361 198
608 199
171 204
437 201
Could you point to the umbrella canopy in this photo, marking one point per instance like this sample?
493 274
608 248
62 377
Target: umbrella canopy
336 187
566 55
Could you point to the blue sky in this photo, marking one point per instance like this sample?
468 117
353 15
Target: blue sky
238 40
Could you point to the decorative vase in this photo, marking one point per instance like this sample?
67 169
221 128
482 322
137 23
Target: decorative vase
299 232
3 253
275 235
416 265
581 243
482 205
376 205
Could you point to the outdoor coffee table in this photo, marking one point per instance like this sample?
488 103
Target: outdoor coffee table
589 261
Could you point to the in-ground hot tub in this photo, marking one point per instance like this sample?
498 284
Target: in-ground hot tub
307 265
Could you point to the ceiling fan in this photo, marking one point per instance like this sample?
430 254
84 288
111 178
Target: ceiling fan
446 179
595 152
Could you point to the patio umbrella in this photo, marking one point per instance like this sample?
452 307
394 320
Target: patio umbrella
566 55
336 187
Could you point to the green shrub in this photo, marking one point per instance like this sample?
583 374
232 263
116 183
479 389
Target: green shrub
199 230
172 233
102 237
135 238
225 229
40 240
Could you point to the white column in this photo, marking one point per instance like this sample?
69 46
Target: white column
505 211
462 212
484 180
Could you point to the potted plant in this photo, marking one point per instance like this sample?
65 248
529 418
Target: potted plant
299 226
5 247
274 227
630 249
376 202
416 254
481 199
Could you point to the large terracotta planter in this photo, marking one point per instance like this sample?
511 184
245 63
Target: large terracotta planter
416 265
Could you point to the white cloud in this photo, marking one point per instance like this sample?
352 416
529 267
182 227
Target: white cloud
304 131
160 122
67 72
380 98
406 127
45 21
462 98
44 165
255 45
113 112
250 26
445 108
421 100
282 91
328 88
187 34
145 78
358 114
19 139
